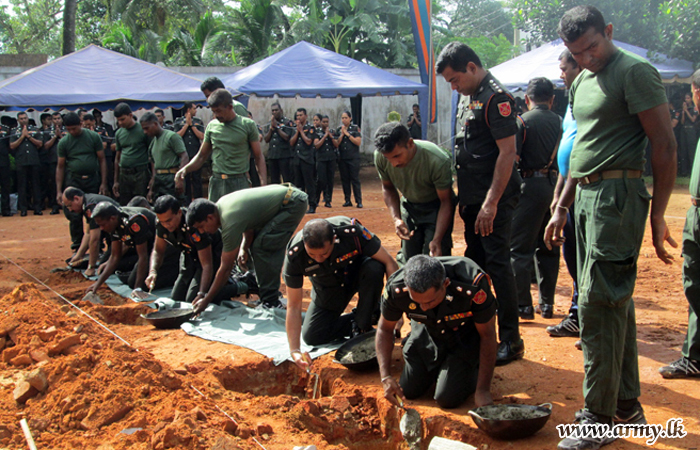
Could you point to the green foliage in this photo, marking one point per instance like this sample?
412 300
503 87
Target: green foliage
32 27
680 31
256 28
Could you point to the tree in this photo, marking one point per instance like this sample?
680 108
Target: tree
209 45
680 33
69 10
257 27
32 27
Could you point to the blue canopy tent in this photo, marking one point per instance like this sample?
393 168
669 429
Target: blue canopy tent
310 71
544 62
95 77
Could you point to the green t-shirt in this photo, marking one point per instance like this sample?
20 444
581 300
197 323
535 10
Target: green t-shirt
249 209
610 135
240 109
430 170
133 144
81 152
230 143
165 150
695 175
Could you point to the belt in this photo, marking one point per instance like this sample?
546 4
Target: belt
82 177
136 169
532 173
224 176
609 175
165 171
695 201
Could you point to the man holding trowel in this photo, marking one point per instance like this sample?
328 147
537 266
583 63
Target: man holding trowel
453 335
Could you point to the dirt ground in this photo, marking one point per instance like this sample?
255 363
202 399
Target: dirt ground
165 389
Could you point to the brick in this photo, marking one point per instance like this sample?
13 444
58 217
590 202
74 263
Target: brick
39 355
21 360
47 334
64 344
263 428
230 427
24 391
37 378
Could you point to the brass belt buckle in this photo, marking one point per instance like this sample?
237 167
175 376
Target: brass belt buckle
224 176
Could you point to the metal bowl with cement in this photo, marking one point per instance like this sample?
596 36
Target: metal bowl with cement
511 422
358 353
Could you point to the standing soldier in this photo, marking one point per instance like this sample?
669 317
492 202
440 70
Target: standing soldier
25 142
168 155
326 157
305 167
50 139
5 171
161 120
489 184
81 164
191 130
349 138
279 154
414 124
131 159
106 132
229 139
539 134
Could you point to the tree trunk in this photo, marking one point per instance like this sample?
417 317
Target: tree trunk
69 10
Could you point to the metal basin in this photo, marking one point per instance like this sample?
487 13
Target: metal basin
169 318
511 422
359 353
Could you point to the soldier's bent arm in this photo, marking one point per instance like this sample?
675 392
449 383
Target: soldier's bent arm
384 343
259 161
15 144
114 258
206 260
487 361
293 323
228 259
60 170
157 255
142 268
103 172
37 143
390 265
199 159
444 219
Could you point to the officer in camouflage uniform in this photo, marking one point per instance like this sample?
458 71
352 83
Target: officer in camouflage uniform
5 171
191 130
488 183
167 154
347 140
341 258
279 153
133 227
25 142
452 344
304 157
255 222
326 156
200 255
131 171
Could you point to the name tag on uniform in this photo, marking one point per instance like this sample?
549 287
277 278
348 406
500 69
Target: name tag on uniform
417 316
310 268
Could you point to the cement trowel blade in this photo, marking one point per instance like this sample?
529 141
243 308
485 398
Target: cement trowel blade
411 427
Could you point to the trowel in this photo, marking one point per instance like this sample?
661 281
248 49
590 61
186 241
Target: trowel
411 426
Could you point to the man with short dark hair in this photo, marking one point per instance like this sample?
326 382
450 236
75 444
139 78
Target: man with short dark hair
279 154
417 189
211 84
256 222
167 154
229 139
539 132
452 344
488 183
341 258
133 227
131 158
414 123
82 204
160 115
25 141
688 365
304 157
200 257
326 156
620 107
191 130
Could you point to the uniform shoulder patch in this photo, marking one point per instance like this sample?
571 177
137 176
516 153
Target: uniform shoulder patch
504 109
479 297
135 227
196 237
365 232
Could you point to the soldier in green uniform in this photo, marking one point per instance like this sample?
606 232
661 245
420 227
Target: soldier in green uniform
341 258
347 140
168 155
25 142
423 212
81 164
326 157
213 83
452 344
488 183
200 255
539 132
229 139
620 106
133 227
191 130
5 171
688 365
131 159
414 123
302 141
279 154
82 204
257 222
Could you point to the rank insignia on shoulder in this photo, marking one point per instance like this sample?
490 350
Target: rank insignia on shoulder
504 109
196 237
135 227
479 297
412 306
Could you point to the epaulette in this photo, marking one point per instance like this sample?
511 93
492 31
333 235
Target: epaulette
365 232
495 86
